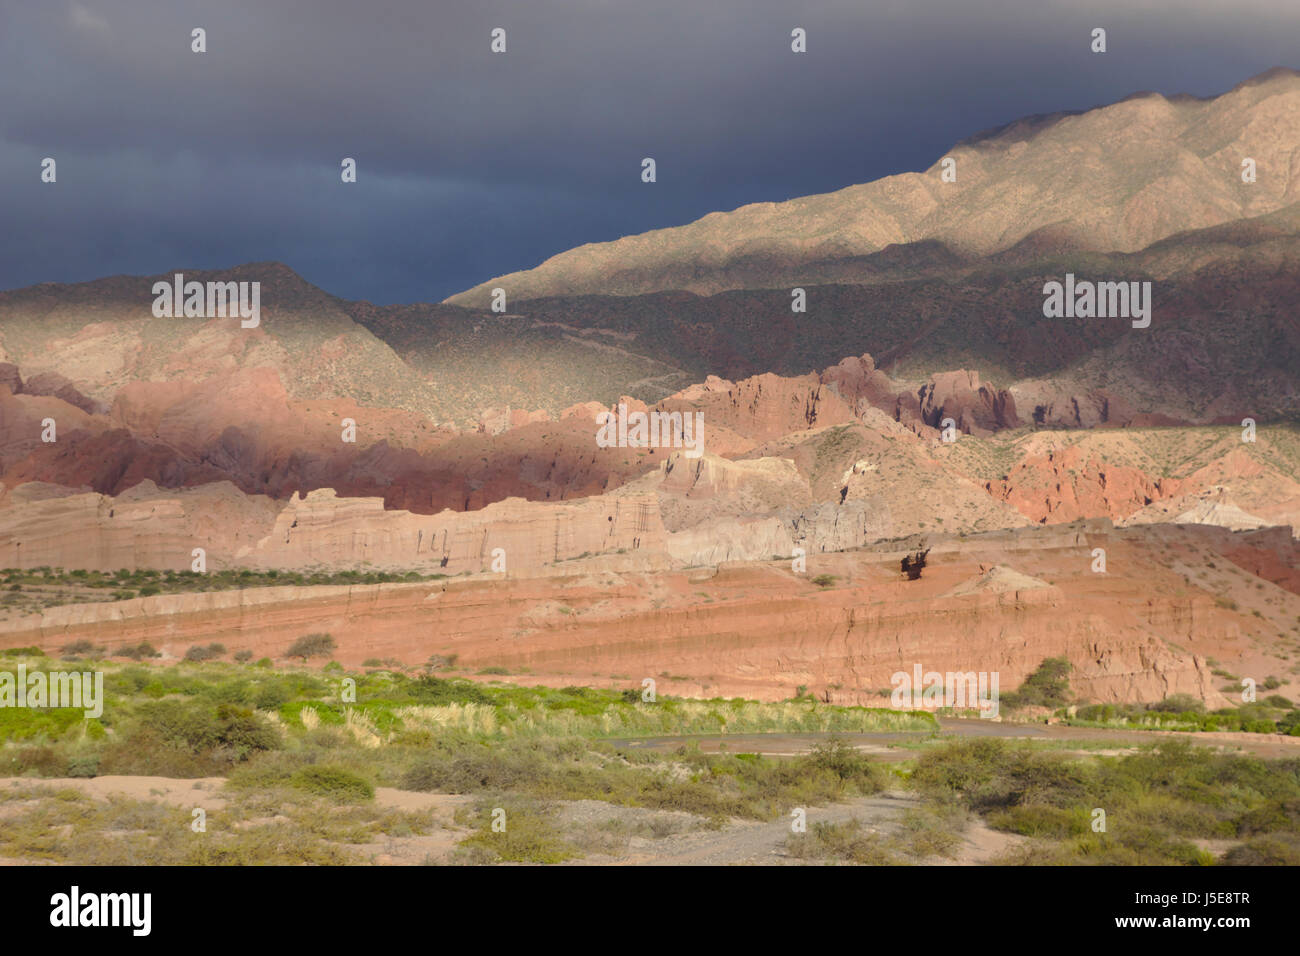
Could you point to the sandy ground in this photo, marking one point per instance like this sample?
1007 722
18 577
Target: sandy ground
204 791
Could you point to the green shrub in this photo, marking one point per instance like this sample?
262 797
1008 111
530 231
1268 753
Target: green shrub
1260 727
311 645
529 836
227 731
33 723
1178 704
437 691
849 765
1273 816
81 648
83 765
271 696
333 783
1290 723
1048 686
1265 851
1042 821
989 774
842 841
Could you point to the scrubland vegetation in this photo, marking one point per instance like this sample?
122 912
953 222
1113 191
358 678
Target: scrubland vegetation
294 749
1159 805
298 760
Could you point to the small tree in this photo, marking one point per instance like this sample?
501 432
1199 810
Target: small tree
1049 686
1179 704
312 645
1290 724
438 662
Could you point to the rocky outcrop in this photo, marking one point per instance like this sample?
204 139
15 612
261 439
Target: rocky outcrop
512 535
730 539
50 384
147 527
856 379
695 490
10 377
838 526
494 421
1064 485
976 409
766 406
44 525
57 386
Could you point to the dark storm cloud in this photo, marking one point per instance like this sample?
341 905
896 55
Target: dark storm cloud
472 164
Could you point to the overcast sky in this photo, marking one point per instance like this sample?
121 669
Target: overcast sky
472 164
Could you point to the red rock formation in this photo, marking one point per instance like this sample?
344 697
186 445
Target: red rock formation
976 409
1063 486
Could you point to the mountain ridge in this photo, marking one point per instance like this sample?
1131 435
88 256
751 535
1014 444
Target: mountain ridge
907 207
